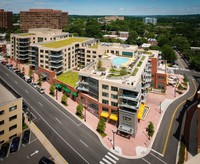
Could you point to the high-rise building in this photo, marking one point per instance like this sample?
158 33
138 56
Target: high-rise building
10 114
150 20
6 19
43 18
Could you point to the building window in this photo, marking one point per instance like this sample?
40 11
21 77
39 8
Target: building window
41 61
114 111
2 122
1 132
13 118
105 109
105 94
46 51
114 89
12 108
88 51
104 101
105 86
13 127
12 136
114 96
114 104
41 51
2 112
41 56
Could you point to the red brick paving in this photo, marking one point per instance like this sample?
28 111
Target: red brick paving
128 146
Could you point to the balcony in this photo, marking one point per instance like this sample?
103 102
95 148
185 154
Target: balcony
55 60
128 105
56 65
83 88
130 97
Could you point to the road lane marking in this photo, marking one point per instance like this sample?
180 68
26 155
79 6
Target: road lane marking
33 140
113 156
158 158
60 136
113 161
58 120
26 91
40 103
16 82
157 152
7 74
101 162
106 161
170 126
84 143
146 161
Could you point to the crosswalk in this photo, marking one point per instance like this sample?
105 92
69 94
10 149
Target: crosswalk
109 158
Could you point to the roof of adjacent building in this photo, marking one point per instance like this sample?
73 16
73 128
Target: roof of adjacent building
7 95
62 43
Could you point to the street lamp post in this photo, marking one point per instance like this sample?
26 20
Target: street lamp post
160 107
56 93
85 113
113 139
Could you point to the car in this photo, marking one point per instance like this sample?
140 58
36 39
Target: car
34 85
41 90
4 150
45 160
26 136
14 144
9 65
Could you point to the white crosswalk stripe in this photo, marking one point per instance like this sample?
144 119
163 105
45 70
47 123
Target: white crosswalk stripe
109 158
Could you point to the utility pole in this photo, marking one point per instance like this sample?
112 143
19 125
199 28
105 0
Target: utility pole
113 139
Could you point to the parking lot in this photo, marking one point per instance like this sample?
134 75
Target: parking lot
27 153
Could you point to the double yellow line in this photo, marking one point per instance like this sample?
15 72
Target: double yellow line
170 126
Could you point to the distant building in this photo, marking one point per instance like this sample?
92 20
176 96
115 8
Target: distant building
113 18
6 19
20 43
43 18
10 114
150 20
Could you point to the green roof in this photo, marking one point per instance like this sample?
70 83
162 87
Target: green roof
62 43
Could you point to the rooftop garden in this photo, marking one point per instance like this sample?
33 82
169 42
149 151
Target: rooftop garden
116 72
94 46
70 78
26 34
62 43
135 71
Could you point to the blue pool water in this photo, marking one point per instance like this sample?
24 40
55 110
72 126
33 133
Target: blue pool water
118 61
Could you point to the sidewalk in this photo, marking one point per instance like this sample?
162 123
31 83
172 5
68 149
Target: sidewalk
132 147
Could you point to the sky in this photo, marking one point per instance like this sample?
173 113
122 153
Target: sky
107 7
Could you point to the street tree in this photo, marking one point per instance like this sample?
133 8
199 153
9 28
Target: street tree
64 99
52 90
150 129
79 110
168 54
101 126
39 80
30 73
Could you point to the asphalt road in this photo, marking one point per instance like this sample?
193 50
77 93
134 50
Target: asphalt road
78 144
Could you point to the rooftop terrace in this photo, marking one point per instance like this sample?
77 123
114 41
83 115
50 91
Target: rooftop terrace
62 43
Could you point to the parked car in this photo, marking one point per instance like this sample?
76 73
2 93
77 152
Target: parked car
4 150
41 90
45 160
34 85
9 65
26 136
14 144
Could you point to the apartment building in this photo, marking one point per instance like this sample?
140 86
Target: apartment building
10 114
151 20
43 18
113 18
6 19
116 98
20 43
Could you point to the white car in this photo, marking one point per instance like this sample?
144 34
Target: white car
41 90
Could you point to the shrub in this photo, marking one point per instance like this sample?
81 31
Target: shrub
79 111
52 90
101 126
64 99
150 129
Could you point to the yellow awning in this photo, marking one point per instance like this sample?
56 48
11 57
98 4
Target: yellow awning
113 117
104 114
140 112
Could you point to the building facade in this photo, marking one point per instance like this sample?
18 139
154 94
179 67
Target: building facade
20 43
150 20
43 18
10 114
6 19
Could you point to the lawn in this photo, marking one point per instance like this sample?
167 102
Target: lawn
62 43
70 78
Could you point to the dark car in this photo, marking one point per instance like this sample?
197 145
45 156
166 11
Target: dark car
45 160
4 150
26 137
15 144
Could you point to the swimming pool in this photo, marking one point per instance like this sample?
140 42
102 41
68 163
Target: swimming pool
118 61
